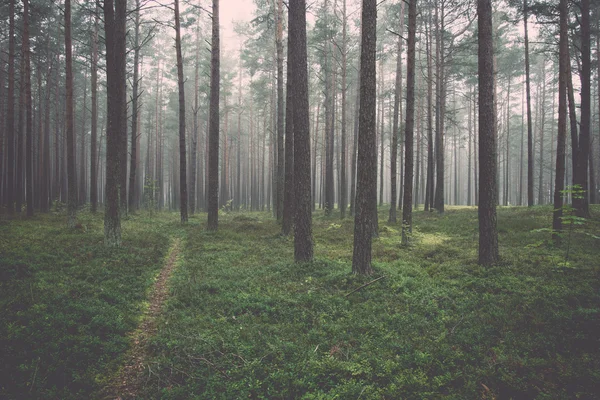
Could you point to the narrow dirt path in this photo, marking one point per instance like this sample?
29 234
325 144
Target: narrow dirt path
127 383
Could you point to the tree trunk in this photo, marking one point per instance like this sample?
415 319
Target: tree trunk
278 203
581 203
343 197
354 154
133 170
213 148
410 123
29 110
303 243
529 126
440 110
71 174
367 160
183 194
288 201
562 122
542 126
94 118
488 233
115 15
429 191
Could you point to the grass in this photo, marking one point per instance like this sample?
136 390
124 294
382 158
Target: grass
244 321
68 302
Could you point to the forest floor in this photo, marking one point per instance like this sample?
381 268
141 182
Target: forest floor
242 320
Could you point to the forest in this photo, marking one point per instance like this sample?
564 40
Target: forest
336 199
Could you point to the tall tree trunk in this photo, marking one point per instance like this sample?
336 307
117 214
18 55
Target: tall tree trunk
46 168
288 201
563 59
395 128
521 163
82 172
343 197
367 156
542 126
280 110
354 153
529 125
440 110
429 191
581 203
329 129
507 161
303 243
135 109
410 123
94 118
213 150
488 233
71 174
470 145
183 194
238 183
115 15
29 109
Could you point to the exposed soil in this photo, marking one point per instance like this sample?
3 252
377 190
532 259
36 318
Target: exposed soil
127 383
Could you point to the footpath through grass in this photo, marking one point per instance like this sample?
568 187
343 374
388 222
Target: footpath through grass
244 321
68 303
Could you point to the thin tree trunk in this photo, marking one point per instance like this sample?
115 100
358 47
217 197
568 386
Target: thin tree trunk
529 126
429 192
343 174
94 118
213 150
410 123
71 174
133 165
278 203
183 194
562 122
29 109
288 201
582 204
542 127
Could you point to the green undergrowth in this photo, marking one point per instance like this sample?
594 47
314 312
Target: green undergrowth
68 302
244 321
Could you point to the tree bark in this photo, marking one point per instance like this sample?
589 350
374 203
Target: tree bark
94 118
71 174
303 243
343 197
279 200
367 158
29 110
183 194
563 60
581 203
288 201
410 123
488 233
529 125
115 15
133 165
213 147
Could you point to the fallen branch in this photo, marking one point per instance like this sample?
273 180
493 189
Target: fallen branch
365 285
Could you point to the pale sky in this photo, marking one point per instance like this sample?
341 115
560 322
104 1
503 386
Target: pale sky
230 11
